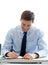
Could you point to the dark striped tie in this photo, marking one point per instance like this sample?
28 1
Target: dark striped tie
23 46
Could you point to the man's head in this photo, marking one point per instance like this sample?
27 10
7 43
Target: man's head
27 18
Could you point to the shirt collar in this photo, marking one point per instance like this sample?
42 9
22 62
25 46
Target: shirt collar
28 32
21 31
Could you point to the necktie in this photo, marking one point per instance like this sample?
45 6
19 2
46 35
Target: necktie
23 46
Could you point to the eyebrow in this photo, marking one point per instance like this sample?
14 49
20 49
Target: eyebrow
25 24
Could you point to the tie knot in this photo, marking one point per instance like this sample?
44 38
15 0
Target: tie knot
25 33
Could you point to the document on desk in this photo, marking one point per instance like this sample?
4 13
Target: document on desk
20 57
43 58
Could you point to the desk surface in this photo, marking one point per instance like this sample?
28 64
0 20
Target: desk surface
25 61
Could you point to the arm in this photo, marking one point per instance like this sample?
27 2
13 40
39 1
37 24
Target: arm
7 45
42 47
6 50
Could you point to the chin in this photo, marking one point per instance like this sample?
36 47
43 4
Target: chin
25 30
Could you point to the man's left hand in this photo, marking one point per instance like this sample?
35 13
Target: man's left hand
29 56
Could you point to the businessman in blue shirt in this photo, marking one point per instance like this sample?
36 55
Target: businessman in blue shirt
35 45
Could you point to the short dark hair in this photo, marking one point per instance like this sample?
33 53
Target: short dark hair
27 15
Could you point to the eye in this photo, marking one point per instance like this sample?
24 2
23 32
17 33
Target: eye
23 24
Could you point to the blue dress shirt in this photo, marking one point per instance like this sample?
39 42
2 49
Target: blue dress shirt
35 42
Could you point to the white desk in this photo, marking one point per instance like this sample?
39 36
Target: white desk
24 61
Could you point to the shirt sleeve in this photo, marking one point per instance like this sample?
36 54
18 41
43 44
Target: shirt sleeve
42 47
7 45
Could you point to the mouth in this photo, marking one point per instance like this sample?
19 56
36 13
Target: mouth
25 30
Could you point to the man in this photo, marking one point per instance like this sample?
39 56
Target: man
34 46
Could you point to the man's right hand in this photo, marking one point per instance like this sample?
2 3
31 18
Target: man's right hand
12 54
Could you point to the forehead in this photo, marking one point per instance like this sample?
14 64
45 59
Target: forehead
26 22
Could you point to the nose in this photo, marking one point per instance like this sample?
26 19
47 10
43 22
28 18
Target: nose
25 27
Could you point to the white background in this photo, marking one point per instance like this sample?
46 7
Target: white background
10 12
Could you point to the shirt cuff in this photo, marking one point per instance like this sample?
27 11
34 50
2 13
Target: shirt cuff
6 54
37 55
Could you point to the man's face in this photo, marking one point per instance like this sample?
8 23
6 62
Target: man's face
25 25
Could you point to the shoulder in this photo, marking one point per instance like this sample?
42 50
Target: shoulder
13 30
37 31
